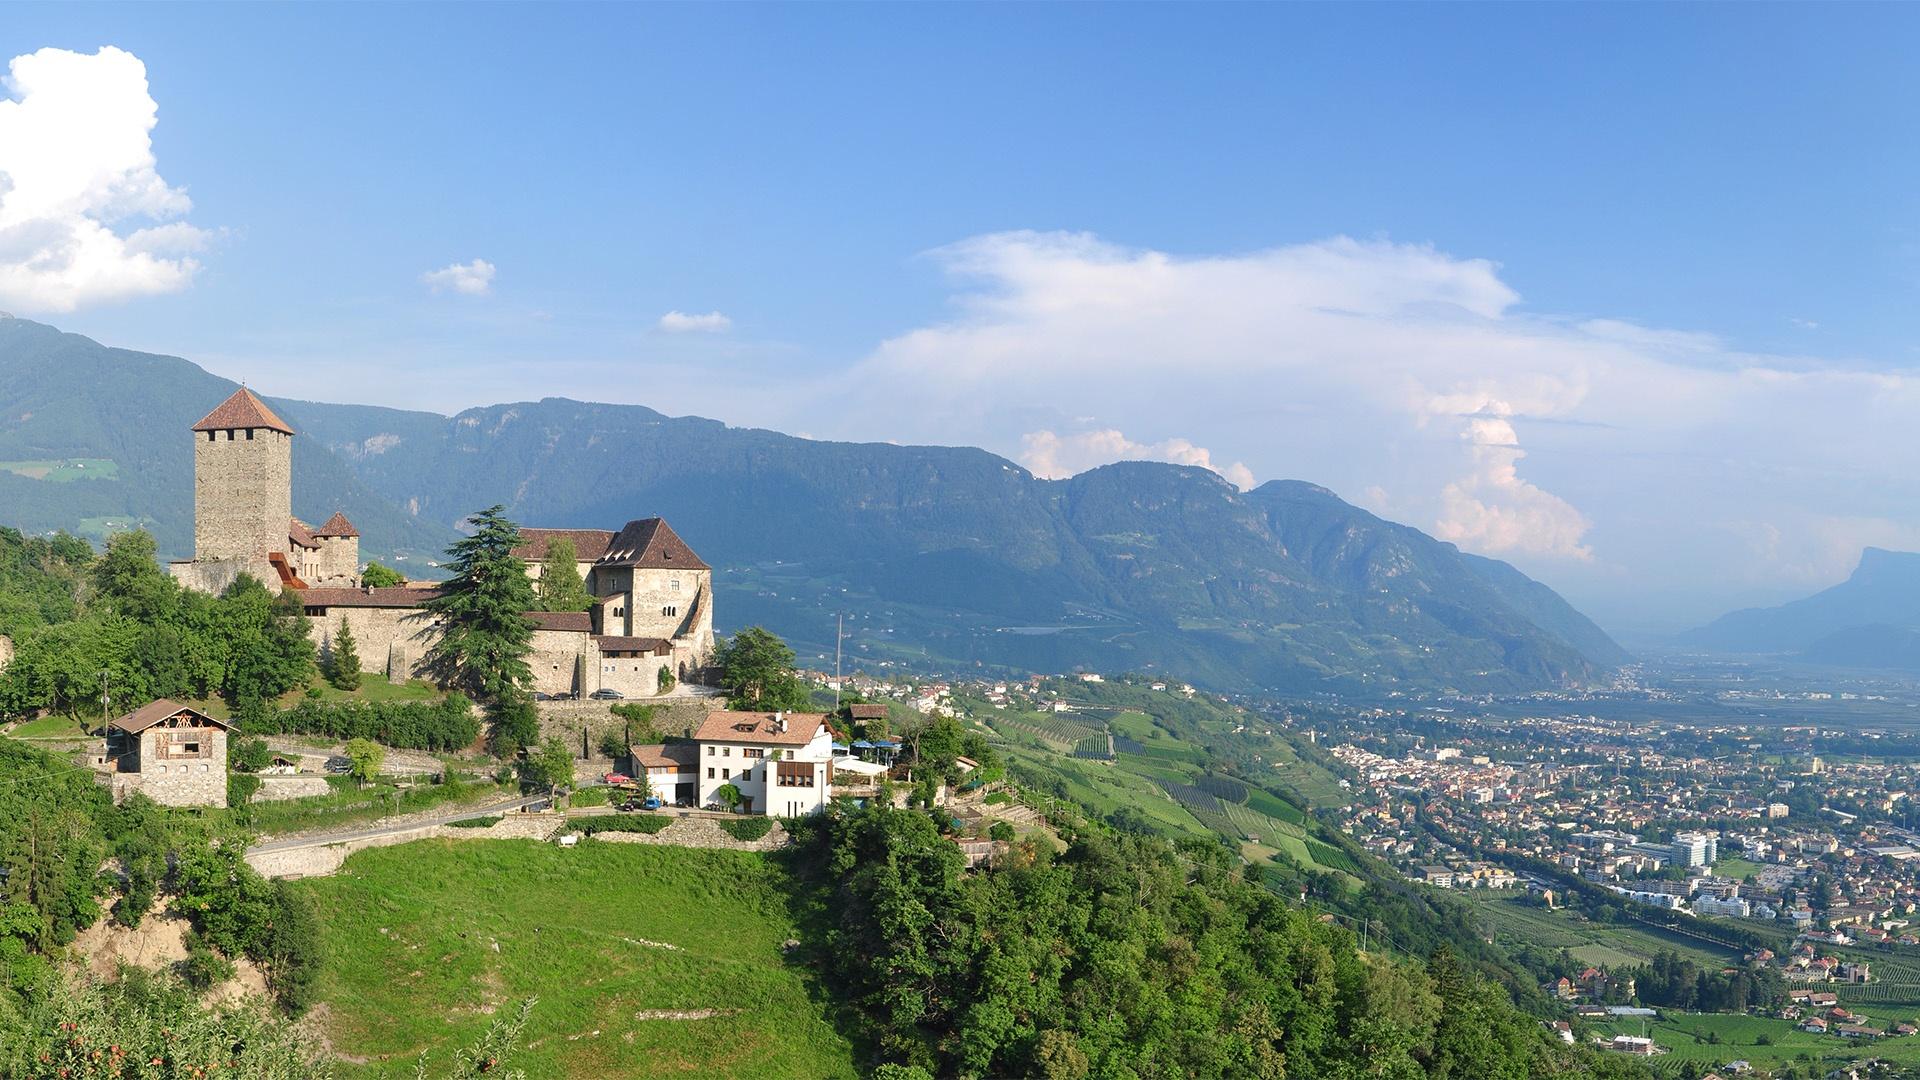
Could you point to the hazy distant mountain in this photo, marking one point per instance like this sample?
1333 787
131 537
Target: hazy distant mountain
1882 647
935 554
1884 593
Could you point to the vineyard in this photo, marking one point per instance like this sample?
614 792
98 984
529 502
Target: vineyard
1093 748
1193 798
1896 979
1054 729
1224 788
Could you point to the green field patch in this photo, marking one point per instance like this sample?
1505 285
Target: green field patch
1512 920
50 727
64 470
1133 724
427 942
1275 807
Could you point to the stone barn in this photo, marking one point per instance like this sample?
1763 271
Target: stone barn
175 755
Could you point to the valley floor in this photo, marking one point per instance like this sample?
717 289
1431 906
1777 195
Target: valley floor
646 961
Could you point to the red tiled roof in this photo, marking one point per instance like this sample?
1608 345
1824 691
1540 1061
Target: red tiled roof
397 596
664 755
578 622
588 544
865 711
650 544
649 646
337 525
757 727
299 533
242 410
152 713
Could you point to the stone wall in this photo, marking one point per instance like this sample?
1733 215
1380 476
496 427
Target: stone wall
555 662
213 576
276 788
389 641
701 832
242 492
672 604
319 860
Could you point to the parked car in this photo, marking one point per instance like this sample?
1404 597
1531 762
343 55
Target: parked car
339 766
619 778
541 695
607 695
651 803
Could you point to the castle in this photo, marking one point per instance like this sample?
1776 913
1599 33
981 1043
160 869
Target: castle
652 610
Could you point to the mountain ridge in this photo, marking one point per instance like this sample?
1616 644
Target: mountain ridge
944 556
1883 590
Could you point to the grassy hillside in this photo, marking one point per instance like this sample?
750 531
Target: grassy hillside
429 940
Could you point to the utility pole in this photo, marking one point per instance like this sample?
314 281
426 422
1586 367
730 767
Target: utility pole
104 699
839 631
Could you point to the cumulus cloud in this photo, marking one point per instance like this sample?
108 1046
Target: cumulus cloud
679 322
469 279
85 217
1057 456
1493 510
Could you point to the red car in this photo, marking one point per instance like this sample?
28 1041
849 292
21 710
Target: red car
619 778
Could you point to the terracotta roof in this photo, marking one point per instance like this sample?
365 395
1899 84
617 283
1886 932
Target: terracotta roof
152 713
337 525
588 544
664 755
397 596
300 533
645 645
867 712
578 622
758 727
650 544
242 410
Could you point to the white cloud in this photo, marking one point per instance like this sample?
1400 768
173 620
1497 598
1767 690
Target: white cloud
469 279
76 169
679 322
1493 510
1603 453
1056 456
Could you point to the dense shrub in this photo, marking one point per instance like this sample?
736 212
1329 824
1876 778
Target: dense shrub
637 823
487 822
449 724
747 829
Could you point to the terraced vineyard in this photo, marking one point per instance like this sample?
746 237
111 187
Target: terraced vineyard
1191 797
1225 788
1896 979
1054 729
1093 748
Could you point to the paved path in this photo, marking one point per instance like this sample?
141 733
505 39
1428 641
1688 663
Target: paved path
368 832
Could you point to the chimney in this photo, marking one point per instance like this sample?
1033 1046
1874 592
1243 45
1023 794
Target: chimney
779 723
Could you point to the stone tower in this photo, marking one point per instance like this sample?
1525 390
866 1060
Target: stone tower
242 482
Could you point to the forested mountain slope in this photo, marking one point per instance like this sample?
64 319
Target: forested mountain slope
940 556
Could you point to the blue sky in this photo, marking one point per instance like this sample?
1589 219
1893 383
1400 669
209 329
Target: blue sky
1626 295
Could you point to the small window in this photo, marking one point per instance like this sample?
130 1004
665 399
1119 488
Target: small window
709 751
229 434
190 748
669 610
709 772
674 584
726 751
211 435
249 434
726 774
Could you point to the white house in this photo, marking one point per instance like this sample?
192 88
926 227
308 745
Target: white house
781 763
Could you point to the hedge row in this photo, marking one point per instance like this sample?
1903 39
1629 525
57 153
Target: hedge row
747 829
449 724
